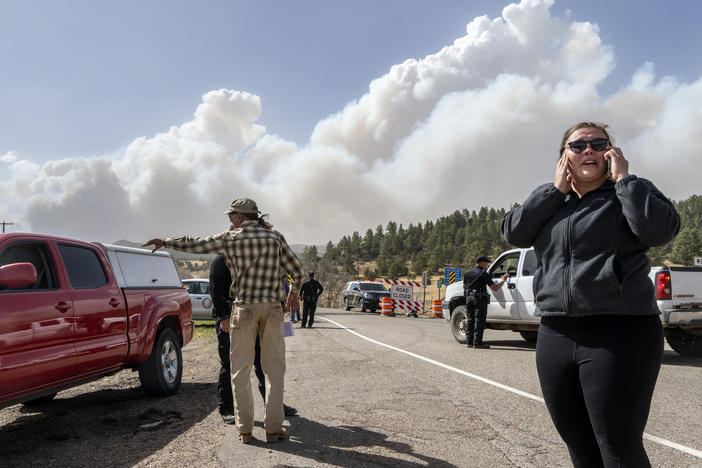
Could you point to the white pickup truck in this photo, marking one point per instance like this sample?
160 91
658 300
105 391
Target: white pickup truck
678 294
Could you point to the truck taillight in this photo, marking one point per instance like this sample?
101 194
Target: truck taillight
663 285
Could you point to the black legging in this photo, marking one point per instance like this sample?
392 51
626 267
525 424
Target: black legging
597 376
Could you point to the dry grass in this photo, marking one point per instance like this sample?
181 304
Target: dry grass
204 328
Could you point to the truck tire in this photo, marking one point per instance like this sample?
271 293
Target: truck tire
459 322
529 336
160 375
363 308
684 343
347 307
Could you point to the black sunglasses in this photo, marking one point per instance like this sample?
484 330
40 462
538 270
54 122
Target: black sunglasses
597 144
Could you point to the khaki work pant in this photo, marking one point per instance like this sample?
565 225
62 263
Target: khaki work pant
266 320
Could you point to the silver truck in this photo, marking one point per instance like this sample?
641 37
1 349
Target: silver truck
678 294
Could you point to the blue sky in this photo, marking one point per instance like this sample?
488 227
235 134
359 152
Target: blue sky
85 79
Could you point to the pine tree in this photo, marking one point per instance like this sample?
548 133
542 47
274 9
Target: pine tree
456 239
349 266
310 258
367 245
419 264
355 244
330 252
686 246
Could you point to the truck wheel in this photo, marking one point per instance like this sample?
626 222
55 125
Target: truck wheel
161 373
529 336
684 343
459 322
363 308
347 307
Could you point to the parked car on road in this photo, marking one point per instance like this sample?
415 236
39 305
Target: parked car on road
199 290
364 294
74 311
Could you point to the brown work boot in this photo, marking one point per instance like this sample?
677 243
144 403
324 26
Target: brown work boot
276 436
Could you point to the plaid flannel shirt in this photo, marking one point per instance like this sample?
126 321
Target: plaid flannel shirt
257 258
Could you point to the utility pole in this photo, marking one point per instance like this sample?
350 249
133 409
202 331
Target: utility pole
5 223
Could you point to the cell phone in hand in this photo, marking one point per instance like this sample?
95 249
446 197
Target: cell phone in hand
609 168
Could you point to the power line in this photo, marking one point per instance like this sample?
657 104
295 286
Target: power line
5 223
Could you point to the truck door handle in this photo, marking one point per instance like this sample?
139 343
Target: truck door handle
62 306
511 286
114 302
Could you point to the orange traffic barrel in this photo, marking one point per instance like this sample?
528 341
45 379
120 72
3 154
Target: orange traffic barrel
386 307
436 308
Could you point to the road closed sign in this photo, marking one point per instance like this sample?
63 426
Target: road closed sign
402 293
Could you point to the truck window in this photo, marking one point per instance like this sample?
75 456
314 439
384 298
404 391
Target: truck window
140 269
83 267
36 254
529 265
506 264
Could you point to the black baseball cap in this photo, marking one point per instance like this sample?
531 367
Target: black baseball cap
482 258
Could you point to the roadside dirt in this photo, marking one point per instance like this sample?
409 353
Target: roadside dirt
111 422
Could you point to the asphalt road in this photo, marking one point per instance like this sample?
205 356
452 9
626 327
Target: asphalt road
389 391
371 391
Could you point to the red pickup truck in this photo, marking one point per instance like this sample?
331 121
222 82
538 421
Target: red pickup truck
74 311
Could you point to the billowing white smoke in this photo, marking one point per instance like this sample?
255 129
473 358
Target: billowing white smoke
477 123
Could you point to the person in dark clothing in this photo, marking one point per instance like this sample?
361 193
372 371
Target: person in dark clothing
475 284
600 342
310 292
220 280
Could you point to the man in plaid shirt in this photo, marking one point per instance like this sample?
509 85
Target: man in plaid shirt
258 258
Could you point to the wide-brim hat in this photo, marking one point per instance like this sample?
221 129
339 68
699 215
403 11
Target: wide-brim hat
242 205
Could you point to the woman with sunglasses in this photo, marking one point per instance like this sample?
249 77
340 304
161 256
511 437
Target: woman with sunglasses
600 342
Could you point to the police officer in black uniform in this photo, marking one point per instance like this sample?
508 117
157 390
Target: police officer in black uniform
310 292
220 282
475 284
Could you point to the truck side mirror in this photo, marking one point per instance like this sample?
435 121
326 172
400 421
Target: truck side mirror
16 275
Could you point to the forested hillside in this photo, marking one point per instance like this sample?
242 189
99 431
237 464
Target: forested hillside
455 240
